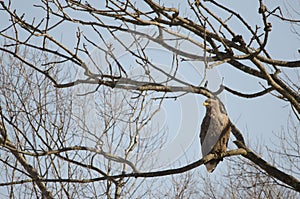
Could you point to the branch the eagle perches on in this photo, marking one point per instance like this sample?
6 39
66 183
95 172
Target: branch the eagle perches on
241 150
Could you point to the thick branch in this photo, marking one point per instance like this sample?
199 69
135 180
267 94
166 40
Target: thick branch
32 171
286 93
147 174
129 84
271 170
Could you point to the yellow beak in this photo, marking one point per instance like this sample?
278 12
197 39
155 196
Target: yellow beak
205 104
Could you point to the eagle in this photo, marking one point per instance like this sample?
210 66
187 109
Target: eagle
215 131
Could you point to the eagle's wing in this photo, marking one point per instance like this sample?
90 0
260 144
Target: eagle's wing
211 130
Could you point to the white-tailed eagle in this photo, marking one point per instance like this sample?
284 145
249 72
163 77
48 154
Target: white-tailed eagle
215 131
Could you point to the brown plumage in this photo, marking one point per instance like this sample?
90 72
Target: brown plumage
215 131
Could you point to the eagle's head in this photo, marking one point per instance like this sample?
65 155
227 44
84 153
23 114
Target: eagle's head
211 103
214 103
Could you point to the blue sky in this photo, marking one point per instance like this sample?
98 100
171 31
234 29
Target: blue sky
257 118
